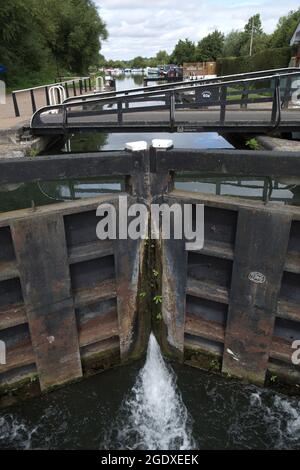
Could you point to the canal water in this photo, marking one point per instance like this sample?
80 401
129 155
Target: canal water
154 406
150 404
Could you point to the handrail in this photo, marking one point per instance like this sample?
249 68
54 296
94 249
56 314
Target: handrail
168 94
82 81
51 84
265 73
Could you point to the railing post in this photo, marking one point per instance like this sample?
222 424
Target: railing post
276 108
90 84
16 107
47 96
223 98
245 95
33 101
287 93
172 109
67 90
120 112
85 85
80 87
74 88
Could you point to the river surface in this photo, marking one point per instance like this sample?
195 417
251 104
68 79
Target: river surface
150 405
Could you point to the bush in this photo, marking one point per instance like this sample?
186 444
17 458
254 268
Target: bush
265 60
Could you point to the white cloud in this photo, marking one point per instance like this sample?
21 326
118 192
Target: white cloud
137 28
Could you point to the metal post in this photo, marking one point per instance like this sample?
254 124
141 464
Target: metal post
172 109
276 108
47 96
287 93
67 90
245 95
33 101
120 114
80 87
85 85
126 102
74 88
223 104
90 84
16 107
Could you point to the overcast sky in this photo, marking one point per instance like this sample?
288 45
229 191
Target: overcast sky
139 27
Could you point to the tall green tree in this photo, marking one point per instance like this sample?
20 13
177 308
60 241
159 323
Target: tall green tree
285 29
210 47
233 43
162 58
184 51
39 38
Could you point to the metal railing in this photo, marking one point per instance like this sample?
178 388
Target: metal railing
82 83
166 86
200 97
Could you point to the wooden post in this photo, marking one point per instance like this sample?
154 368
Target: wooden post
174 277
259 256
41 251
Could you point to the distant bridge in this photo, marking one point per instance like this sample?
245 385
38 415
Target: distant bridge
256 102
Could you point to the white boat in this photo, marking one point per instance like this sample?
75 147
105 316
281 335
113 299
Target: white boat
151 70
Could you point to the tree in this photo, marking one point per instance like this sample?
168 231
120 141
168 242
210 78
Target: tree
233 43
40 39
138 63
237 43
185 51
285 29
254 23
210 47
162 58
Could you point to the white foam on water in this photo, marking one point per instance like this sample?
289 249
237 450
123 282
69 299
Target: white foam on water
154 415
282 416
15 431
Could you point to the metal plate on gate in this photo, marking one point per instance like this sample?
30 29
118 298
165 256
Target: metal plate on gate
206 95
257 278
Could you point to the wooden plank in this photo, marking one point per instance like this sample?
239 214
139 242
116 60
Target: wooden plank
8 270
288 310
292 263
89 251
207 290
98 328
62 167
103 291
41 252
195 325
128 263
18 355
217 249
12 315
236 162
281 350
260 251
63 208
174 282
